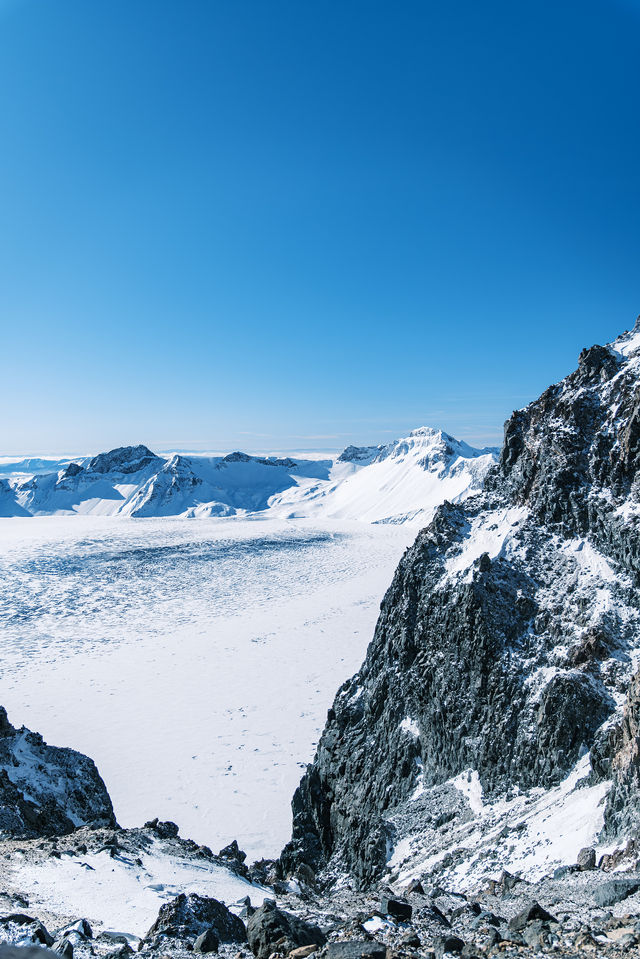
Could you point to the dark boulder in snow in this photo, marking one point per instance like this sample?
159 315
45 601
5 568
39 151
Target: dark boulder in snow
47 790
233 852
187 917
165 830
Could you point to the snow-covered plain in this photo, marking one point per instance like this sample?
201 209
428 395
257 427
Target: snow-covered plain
186 621
194 661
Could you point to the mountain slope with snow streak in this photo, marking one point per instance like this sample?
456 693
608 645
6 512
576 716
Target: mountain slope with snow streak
402 482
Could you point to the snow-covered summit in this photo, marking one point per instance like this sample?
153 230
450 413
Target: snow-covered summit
404 481
628 343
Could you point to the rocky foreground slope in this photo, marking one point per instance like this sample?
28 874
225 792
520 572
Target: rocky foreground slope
503 661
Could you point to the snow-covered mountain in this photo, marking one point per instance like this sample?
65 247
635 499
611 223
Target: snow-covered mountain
403 481
133 481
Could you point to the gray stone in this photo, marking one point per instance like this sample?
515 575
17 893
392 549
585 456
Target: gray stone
447 944
207 942
396 908
614 890
63 948
356 949
586 859
533 912
271 929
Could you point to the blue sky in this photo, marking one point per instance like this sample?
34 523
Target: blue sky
285 224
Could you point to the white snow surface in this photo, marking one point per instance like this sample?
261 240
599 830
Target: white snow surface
491 533
468 783
120 895
194 662
628 343
410 726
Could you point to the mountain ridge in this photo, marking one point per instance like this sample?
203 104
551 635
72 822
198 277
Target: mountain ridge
505 646
421 470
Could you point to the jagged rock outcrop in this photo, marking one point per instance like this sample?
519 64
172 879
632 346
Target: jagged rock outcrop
188 916
125 459
504 644
47 790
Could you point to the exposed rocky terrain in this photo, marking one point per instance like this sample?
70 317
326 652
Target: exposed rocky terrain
504 652
46 790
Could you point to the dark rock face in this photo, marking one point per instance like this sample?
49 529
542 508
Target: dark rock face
46 790
359 454
273 930
187 917
502 641
618 753
26 952
125 459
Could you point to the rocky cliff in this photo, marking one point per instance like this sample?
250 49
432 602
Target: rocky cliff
506 644
47 790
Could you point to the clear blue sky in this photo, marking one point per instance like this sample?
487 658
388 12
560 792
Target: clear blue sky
284 224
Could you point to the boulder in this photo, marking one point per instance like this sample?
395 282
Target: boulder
396 909
615 890
356 949
187 917
63 948
166 830
533 912
207 942
447 944
586 859
233 851
273 930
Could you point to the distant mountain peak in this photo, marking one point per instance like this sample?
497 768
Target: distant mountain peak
124 459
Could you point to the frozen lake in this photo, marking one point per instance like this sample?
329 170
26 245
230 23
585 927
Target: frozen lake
194 660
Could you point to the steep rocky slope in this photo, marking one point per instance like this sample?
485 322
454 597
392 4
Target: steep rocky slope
503 654
47 790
